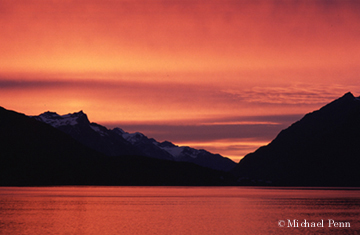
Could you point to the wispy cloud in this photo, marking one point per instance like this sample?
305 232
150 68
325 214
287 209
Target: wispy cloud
259 128
233 139
308 94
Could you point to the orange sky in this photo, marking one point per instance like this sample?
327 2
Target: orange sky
246 68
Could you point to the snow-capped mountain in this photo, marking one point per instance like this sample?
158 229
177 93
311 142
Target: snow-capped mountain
117 142
92 135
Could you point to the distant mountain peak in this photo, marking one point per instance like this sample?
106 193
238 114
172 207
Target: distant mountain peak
348 97
133 138
57 120
348 94
166 144
49 114
75 114
119 131
341 106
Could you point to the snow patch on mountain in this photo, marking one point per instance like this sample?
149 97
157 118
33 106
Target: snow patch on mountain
133 138
98 129
175 151
56 120
178 152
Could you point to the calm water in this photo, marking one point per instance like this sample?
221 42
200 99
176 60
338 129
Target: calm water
177 210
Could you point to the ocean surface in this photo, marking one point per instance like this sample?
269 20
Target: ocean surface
179 210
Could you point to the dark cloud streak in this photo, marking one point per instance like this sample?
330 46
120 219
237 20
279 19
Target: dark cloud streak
24 84
194 132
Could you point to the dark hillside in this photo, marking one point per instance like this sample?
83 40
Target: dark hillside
34 153
322 149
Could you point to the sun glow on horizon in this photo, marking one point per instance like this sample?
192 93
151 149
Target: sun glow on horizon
230 148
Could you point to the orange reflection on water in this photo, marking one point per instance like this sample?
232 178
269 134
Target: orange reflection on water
173 210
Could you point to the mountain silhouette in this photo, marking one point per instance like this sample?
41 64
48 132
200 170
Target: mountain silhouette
116 142
321 149
35 153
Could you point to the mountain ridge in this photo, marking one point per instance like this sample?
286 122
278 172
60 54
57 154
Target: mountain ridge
321 149
117 142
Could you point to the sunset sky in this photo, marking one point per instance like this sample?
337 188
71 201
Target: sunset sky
224 75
